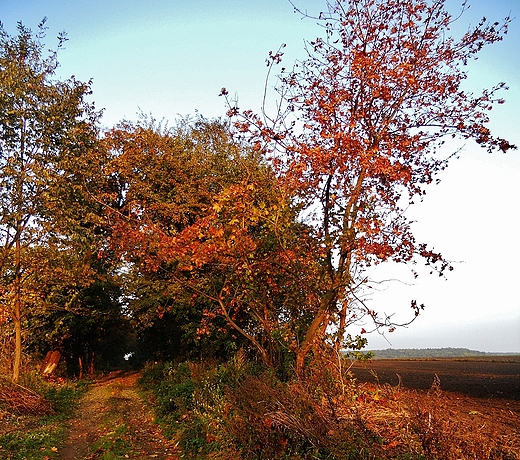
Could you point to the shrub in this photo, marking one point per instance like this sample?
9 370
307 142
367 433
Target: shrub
237 410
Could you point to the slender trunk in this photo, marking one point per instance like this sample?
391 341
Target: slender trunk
17 317
80 363
341 329
17 314
91 363
263 352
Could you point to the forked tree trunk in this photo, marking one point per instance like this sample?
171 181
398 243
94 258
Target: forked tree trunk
50 363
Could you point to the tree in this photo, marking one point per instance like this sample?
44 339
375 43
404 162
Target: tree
264 270
169 180
91 333
46 128
357 139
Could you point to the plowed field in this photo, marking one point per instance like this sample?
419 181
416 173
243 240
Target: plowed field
479 398
479 377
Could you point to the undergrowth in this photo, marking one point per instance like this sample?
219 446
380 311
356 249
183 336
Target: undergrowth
33 432
240 411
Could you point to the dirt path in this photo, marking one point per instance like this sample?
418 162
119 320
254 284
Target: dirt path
112 422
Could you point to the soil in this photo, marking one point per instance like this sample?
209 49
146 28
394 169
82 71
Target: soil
117 391
481 378
475 395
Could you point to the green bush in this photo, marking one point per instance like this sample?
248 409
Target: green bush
64 398
151 375
174 397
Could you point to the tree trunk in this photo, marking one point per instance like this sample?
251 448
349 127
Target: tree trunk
50 363
316 329
17 317
91 363
17 364
80 363
342 328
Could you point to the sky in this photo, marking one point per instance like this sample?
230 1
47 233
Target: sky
170 58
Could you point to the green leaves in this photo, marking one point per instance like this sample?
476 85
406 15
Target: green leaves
47 134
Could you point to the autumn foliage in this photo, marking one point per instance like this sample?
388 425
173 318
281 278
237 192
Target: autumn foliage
255 232
356 139
279 246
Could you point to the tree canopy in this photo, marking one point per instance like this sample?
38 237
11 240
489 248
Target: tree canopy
357 137
254 232
46 127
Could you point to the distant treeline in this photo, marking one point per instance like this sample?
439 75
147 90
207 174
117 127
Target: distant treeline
390 353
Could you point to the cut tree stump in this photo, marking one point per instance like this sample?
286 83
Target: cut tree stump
50 363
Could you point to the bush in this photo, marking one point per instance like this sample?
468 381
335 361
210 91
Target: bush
61 395
237 410
242 411
39 408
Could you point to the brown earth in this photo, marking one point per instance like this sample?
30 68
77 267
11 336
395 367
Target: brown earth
480 397
492 378
115 394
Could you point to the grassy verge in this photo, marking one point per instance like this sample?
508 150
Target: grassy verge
239 411
33 437
115 444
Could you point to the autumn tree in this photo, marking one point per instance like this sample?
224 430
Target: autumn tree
208 237
168 180
46 129
357 136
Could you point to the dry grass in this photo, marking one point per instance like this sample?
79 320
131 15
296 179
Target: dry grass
21 400
231 413
373 421
434 424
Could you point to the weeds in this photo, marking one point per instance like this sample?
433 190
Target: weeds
243 412
30 422
114 445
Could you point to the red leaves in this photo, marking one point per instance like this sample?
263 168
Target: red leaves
356 133
275 58
353 141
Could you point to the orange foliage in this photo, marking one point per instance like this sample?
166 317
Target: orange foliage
358 132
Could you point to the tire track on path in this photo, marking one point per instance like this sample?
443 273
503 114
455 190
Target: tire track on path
113 418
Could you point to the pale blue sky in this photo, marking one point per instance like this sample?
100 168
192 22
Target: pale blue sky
172 57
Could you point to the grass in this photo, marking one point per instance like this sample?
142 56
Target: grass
35 444
115 444
33 437
229 411
119 439
116 441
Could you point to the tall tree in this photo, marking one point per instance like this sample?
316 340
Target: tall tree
169 179
357 135
45 126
